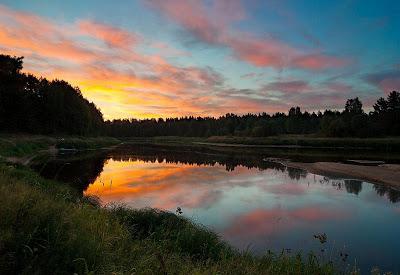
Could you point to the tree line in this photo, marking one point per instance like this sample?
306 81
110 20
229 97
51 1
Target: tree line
37 105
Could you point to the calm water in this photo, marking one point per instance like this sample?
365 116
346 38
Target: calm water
253 204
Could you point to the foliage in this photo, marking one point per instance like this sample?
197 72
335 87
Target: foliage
25 145
86 143
36 105
351 122
14 146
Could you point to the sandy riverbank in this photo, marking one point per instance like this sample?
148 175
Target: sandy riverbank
388 174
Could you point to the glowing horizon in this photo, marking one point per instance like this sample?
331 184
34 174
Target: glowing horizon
172 58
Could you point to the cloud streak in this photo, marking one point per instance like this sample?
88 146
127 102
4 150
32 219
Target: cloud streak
267 222
104 62
112 36
128 74
386 81
213 25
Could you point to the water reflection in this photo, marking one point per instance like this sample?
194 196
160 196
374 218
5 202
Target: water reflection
353 186
82 170
79 170
391 194
250 202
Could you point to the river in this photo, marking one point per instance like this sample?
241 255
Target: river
253 204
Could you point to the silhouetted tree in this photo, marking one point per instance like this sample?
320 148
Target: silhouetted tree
36 105
353 106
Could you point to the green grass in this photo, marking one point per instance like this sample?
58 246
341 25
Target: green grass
48 228
79 143
21 145
25 145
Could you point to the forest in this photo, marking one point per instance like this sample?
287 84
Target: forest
29 104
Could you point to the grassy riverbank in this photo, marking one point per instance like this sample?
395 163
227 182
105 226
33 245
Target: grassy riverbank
297 148
16 146
46 227
388 144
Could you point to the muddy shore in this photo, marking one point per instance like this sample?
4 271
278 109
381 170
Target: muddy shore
388 174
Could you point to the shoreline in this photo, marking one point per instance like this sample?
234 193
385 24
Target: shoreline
280 146
387 174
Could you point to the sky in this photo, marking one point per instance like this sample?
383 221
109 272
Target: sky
171 58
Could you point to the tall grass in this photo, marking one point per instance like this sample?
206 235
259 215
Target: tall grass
79 143
16 146
47 228
25 145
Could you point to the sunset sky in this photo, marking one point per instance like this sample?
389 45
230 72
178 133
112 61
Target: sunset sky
168 58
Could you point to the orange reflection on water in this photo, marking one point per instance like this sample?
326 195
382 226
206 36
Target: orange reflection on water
160 185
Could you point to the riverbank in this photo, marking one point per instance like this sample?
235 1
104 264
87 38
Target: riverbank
387 144
318 159
47 227
23 149
298 148
387 174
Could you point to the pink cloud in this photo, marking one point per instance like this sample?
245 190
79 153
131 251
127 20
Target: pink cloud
390 84
386 81
213 25
122 81
45 39
126 83
193 15
264 222
316 214
260 52
112 36
318 61
310 96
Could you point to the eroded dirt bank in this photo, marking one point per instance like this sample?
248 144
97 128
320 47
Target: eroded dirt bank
388 174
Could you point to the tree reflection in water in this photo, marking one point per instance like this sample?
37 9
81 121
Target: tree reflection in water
81 170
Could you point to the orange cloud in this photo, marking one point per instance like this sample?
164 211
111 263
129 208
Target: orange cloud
107 65
44 39
121 81
157 185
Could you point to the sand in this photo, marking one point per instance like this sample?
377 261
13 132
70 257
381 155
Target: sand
388 174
